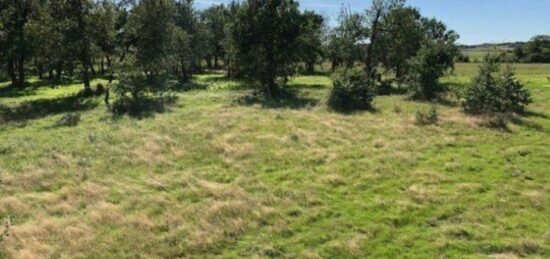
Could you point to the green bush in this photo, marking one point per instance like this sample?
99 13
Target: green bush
351 91
431 63
427 117
137 84
495 90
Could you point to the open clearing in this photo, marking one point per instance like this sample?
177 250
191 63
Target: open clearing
220 173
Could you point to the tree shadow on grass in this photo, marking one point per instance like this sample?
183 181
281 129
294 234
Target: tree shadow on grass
535 114
520 121
145 107
37 109
308 86
287 98
10 92
501 122
31 87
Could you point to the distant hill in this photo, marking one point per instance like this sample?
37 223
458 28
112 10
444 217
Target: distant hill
490 46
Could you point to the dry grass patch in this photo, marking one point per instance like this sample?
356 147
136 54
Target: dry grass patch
104 213
537 199
233 149
420 194
333 180
13 206
354 244
504 256
46 238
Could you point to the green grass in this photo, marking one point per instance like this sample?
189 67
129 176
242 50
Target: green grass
221 173
478 54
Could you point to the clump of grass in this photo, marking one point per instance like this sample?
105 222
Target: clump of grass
69 120
397 108
427 117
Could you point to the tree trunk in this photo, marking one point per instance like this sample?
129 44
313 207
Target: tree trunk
216 65
92 69
21 67
11 72
271 68
310 67
110 66
40 71
86 80
209 62
370 69
102 66
184 75
85 57
59 71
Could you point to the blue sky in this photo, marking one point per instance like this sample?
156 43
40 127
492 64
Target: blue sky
477 21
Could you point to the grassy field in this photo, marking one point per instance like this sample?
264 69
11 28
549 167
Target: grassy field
221 173
478 54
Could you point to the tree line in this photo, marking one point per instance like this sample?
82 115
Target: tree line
152 46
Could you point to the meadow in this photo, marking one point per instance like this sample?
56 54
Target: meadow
220 172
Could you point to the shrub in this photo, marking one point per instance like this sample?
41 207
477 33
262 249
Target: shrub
351 91
462 57
495 90
397 108
431 63
69 120
427 117
137 84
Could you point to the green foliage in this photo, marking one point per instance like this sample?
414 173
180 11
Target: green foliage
215 19
463 57
342 42
137 84
265 37
537 50
310 44
401 39
427 117
435 57
495 90
153 29
351 91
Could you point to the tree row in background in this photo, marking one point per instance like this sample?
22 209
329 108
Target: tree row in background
148 42
151 46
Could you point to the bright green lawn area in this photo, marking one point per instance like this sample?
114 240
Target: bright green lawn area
222 174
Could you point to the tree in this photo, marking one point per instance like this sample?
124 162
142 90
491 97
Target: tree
436 56
104 18
378 10
401 39
310 43
14 16
214 20
188 20
266 34
537 50
153 28
80 34
495 90
345 42
152 31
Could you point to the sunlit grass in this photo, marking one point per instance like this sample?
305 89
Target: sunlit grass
214 175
